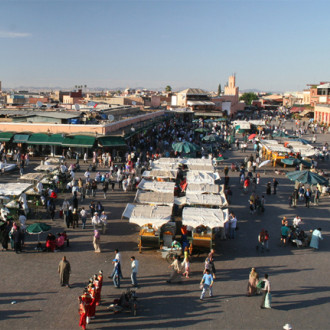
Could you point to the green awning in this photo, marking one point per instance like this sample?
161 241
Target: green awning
21 138
5 136
112 141
38 138
56 139
83 141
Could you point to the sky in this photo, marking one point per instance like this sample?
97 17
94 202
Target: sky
271 45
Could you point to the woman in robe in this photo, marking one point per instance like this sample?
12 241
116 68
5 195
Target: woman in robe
316 237
252 284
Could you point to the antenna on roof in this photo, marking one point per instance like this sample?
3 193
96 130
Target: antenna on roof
111 118
77 107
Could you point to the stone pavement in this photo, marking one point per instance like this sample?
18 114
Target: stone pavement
299 277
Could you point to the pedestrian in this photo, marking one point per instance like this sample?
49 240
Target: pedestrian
103 221
186 266
252 284
75 218
83 217
176 270
64 269
65 208
316 237
85 158
134 269
275 184
233 225
317 196
94 188
268 189
261 240
285 233
116 273
308 197
266 295
69 217
84 303
206 284
95 220
295 197
105 188
96 241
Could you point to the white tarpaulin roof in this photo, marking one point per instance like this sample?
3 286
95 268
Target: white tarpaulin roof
264 142
212 218
164 160
45 167
13 189
144 214
257 122
197 161
152 197
277 148
167 187
164 166
202 177
202 188
242 124
305 152
202 199
31 177
163 174
202 168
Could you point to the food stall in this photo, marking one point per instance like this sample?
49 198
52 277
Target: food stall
166 187
154 198
203 222
160 174
31 177
154 220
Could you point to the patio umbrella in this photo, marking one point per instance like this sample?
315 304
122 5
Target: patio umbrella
202 130
211 138
38 228
300 140
265 162
307 177
185 147
252 136
295 161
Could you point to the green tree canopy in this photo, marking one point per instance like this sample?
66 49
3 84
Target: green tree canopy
219 90
249 97
168 88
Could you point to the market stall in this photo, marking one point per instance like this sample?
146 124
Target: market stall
46 167
160 174
156 198
154 220
203 188
202 177
31 177
165 187
203 221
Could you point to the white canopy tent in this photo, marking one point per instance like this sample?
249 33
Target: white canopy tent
152 197
202 199
32 177
47 168
14 189
161 174
212 218
165 187
145 214
202 177
197 161
201 168
203 188
164 160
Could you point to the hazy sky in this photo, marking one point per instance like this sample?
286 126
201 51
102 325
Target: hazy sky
275 45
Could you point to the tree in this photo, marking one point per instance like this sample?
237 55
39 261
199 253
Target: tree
168 89
219 90
249 97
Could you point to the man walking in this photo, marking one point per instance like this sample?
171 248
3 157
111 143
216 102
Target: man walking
265 291
134 268
308 197
206 283
64 269
275 184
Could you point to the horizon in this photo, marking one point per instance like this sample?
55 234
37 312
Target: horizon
128 43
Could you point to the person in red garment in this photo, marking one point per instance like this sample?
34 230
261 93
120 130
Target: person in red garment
97 289
92 307
100 278
84 304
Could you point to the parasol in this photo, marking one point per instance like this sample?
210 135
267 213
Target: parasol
38 228
265 162
252 136
307 177
185 147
